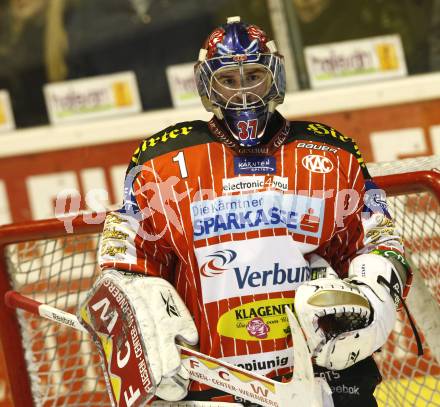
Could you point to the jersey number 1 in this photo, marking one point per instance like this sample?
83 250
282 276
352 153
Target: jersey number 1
180 159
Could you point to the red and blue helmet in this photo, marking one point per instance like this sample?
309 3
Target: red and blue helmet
241 78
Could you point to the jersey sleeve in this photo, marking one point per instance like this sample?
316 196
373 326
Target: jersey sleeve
369 228
129 240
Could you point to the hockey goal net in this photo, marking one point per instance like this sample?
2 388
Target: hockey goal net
59 367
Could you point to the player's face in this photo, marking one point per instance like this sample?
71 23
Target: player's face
242 84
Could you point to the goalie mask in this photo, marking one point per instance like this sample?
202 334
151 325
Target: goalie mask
241 79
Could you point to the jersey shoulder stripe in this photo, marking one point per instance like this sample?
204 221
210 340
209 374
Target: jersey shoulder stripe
178 136
313 131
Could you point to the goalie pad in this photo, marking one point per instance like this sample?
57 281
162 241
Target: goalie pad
135 321
345 321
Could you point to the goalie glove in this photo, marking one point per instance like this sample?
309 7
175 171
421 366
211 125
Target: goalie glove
136 317
345 321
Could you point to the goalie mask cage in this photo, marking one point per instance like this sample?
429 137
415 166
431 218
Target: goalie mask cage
51 365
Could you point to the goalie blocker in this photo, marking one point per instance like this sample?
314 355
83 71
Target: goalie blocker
136 338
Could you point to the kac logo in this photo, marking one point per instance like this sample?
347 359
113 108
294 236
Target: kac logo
317 163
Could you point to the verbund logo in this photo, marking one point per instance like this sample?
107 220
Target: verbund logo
317 163
276 275
264 265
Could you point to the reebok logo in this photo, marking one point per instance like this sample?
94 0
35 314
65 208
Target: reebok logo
62 319
345 389
170 305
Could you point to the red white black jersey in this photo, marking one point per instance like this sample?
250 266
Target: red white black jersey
233 232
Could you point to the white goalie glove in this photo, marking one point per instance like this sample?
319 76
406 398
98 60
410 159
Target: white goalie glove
345 321
153 316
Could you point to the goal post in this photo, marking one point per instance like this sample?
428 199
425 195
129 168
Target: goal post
31 359
51 365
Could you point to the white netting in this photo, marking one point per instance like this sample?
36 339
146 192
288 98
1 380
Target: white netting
63 364
410 380
65 370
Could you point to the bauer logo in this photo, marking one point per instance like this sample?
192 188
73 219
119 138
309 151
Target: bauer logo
255 165
226 271
257 211
321 147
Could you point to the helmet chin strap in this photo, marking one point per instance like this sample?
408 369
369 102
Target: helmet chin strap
272 106
218 112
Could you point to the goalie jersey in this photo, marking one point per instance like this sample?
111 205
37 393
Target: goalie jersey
233 232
